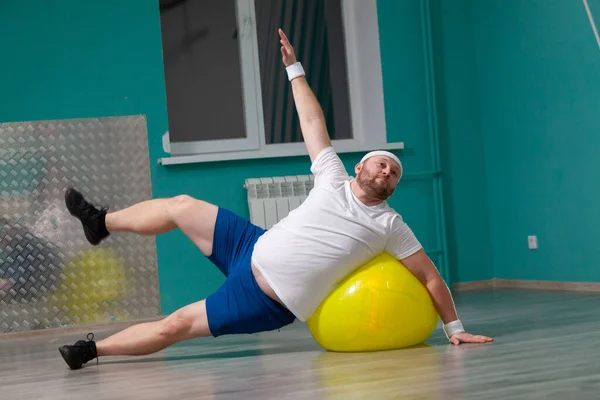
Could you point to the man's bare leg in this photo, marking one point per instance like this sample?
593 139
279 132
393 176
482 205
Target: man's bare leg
149 337
195 218
150 218
146 338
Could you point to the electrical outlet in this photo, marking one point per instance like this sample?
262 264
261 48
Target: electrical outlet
532 241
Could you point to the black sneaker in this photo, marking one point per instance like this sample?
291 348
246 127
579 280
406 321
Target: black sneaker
92 218
81 352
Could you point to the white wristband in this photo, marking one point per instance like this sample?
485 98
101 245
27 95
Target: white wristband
295 70
452 328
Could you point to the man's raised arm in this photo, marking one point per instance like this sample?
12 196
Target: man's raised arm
310 113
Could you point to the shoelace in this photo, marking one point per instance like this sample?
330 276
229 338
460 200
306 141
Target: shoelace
90 210
91 339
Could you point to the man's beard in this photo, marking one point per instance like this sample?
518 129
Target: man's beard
371 187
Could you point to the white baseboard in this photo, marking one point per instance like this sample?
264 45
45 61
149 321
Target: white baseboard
497 283
473 285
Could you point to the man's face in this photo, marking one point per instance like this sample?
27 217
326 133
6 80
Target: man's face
378 176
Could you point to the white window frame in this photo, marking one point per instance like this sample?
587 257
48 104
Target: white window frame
367 108
248 51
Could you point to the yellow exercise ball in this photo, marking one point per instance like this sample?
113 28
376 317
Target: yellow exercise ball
92 287
380 306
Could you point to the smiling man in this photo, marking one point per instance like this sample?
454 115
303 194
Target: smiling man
277 276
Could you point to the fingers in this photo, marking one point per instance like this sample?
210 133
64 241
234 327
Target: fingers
282 35
470 339
477 339
284 41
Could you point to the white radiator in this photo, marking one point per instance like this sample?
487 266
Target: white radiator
271 199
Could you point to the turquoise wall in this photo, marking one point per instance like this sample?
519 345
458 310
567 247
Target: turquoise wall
515 82
518 87
539 87
461 137
74 59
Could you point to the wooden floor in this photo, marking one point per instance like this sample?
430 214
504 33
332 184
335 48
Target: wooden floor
546 346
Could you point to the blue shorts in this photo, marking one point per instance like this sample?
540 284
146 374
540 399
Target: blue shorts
239 305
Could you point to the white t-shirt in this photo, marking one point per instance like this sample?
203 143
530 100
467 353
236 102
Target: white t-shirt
305 255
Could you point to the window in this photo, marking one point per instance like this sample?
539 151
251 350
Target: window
315 31
228 96
211 93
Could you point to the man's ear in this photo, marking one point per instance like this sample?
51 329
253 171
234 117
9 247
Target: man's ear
357 168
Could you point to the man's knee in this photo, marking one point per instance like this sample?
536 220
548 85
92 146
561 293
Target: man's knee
176 327
188 322
182 204
181 201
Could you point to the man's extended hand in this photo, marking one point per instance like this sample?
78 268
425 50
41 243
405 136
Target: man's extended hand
464 337
287 51
310 114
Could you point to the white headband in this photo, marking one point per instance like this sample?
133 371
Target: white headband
382 153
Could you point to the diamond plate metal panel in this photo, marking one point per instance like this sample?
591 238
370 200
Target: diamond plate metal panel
50 276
